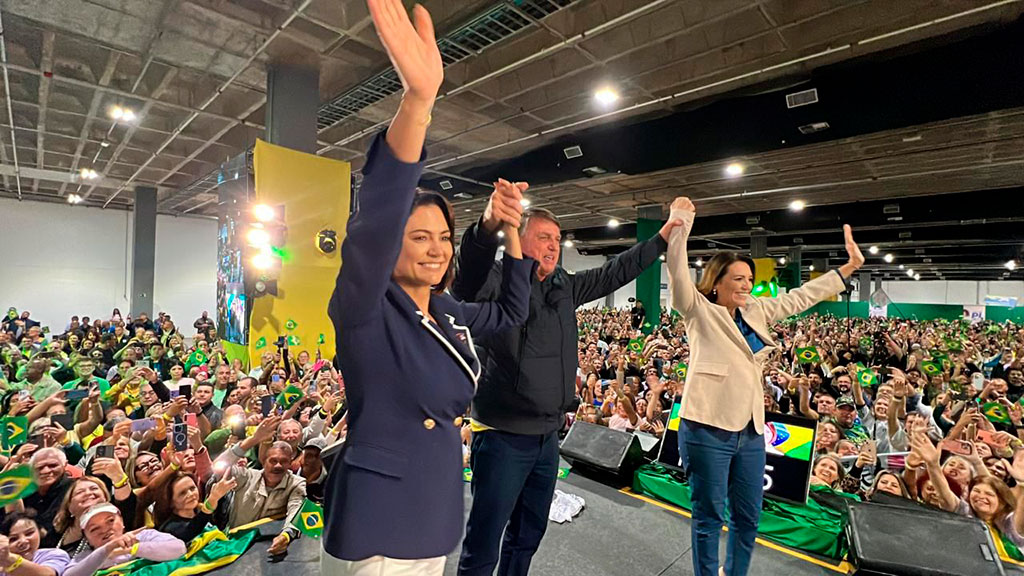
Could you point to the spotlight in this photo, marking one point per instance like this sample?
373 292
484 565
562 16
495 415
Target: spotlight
811 267
128 115
699 262
501 233
263 213
797 205
782 261
917 276
662 257
613 223
910 272
606 96
74 199
568 244
258 237
1011 265
888 258
733 170
902 266
873 250
117 112
525 202
262 261
105 144
88 174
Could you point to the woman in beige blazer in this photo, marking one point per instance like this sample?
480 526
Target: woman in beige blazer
723 403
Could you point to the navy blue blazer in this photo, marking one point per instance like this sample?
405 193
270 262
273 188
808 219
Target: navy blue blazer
396 489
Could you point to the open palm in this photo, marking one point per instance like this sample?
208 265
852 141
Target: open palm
413 51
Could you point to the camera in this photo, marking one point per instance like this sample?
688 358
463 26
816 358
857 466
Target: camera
327 241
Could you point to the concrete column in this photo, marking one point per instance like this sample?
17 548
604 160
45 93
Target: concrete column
143 251
758 244
293 95
794 262
865 285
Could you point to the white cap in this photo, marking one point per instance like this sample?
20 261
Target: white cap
95 511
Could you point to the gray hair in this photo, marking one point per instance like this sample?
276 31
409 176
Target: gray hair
47 451
539 213
282 446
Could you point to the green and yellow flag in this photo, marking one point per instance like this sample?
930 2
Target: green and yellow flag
287 398
16 484
931 368
636 345
208 551
996 413
954 345
15 431
865 343
261 343
681 370
291 325
310 519
867 378
196 358
808 355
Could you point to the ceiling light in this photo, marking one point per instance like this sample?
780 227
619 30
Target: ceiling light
525 202
613 223
105 144
74 199
128 115
811 267
733 170
902 266
873 250
917 276
501 233
568 244
797 205
117 112
1011 265
258 237
662 257
469 209
88 174
699 262
782 261
888 258
606 96
910 272
263 213
262 261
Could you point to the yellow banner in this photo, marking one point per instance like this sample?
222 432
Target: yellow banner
315 193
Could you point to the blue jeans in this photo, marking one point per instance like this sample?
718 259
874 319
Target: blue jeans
513 482
723 466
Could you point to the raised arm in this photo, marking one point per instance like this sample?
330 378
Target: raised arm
683 293
475 281
393 166
599 282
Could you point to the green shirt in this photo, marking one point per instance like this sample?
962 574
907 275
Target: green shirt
218 397
103 384
41 390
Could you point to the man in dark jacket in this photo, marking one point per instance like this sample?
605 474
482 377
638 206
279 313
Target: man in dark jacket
527 386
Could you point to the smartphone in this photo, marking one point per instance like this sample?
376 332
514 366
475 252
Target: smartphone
143 425
38 440
192 420
76 394
24 395
66 421
175 393
992 440
143 364
186 391
312 386
179 433
266 405
105 451
238 430
275 378
959 447
978 381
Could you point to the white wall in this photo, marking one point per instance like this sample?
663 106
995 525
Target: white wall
951 291
60 260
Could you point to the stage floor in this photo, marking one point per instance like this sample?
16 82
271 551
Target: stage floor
617 534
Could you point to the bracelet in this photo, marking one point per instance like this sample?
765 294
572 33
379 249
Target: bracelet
134 549
122 482
174 466
14 565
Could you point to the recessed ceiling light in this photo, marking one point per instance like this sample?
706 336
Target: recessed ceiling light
699 262
873 249
811 267
902 266
567 244
888 258
606 96
1011 265
74 199
917 276
910 272
662 257
105 144
613 223
733 170
797 205
782 261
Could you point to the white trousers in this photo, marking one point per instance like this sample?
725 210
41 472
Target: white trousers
381 566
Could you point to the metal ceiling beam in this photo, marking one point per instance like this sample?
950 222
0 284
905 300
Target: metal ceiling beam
46 63
97 96
61 176
10 112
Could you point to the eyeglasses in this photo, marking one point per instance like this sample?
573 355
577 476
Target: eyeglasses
148 465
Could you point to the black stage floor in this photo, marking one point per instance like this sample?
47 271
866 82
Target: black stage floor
617 534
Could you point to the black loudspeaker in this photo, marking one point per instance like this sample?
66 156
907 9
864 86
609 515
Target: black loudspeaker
890 541
609 453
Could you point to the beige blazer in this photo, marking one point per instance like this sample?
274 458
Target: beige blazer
724 383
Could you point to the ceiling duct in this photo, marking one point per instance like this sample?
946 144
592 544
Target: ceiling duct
572 152
813 127
891 209
492 26
802 98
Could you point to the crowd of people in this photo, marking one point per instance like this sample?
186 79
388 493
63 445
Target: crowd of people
140 437
924 410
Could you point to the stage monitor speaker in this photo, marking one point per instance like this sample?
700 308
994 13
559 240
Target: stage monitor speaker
888 540
608 452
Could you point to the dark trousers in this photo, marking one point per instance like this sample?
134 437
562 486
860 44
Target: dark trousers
513 483
724 467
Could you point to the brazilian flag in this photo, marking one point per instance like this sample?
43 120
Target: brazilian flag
321 339
867 378
15 431
681 370
808 355
261 343
467 474
865 343
291 325
563 472
294 341
954 345
996 413
210 550
636 345
931 368
196 358
993 329
289 397
310 519
939 356
16 484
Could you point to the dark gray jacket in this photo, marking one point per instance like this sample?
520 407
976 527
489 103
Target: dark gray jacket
529 372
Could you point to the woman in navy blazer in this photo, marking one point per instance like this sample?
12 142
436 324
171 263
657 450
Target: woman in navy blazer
394 497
